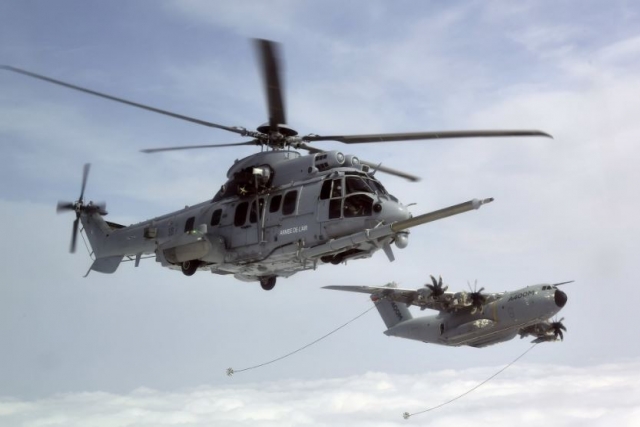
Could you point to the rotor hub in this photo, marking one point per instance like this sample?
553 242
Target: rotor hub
283 129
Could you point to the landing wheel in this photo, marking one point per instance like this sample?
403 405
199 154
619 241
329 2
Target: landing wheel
267 283
190 267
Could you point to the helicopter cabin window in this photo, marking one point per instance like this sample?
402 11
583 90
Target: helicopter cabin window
325 192
289 204
215 217
188 226
274 206
241 214
256 210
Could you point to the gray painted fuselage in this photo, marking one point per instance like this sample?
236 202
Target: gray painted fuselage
500 320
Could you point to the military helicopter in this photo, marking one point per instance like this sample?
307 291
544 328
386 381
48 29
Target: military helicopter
469 318
280 212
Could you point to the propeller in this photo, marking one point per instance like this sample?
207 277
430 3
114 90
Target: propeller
478 299
436 287
78 207
557 327
276 133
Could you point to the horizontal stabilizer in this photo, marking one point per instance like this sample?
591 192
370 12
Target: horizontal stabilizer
107 265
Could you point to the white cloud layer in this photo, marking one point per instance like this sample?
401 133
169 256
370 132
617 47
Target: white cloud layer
525 394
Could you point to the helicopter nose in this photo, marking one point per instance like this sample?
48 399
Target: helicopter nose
560 298
391 211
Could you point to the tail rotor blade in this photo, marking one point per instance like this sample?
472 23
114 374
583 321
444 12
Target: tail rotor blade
64 206
74 235
85 174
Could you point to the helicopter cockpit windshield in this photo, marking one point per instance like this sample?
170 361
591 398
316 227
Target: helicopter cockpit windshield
353 195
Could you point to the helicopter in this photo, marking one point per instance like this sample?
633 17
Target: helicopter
473 318
279 212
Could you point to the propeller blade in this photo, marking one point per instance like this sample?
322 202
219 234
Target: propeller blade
191 147
268 53
412 136
65 206
374 166
85 174
74 235
121 100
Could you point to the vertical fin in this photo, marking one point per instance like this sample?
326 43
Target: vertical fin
391 312
96 229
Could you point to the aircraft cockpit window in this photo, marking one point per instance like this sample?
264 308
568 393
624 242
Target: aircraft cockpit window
215 217
337 188
377 187
241 214
357 185
357 205
289 204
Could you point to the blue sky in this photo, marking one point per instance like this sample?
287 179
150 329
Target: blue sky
565 208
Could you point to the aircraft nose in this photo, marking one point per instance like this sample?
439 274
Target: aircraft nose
560 298
392 212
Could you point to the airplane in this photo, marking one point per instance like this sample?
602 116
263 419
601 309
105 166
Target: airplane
279 212
469 318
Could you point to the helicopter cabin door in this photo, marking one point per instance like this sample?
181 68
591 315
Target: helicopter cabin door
330 201
247 222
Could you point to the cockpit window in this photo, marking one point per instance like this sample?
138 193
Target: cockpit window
357 205
357 185
377 187
337 188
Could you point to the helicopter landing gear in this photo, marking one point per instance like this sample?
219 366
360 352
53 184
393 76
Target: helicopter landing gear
190 267
267 283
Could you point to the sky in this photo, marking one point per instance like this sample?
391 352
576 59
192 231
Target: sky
147 346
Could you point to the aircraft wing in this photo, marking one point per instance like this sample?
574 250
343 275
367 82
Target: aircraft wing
405 296
447 302
395 294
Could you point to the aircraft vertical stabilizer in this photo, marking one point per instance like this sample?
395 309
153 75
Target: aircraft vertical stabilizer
391 312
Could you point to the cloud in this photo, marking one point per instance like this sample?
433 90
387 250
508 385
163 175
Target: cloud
533 394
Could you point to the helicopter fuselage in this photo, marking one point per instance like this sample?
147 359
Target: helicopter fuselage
274 205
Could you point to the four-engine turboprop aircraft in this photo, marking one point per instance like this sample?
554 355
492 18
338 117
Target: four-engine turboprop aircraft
468 318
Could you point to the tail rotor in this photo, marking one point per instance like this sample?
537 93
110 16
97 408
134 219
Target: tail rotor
78 207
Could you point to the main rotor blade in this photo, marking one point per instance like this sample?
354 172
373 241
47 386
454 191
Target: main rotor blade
411 136
387 170
85 174
121 100
190 147
269 54
376 167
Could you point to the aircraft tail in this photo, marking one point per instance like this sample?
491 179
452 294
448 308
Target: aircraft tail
391 312
97 230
